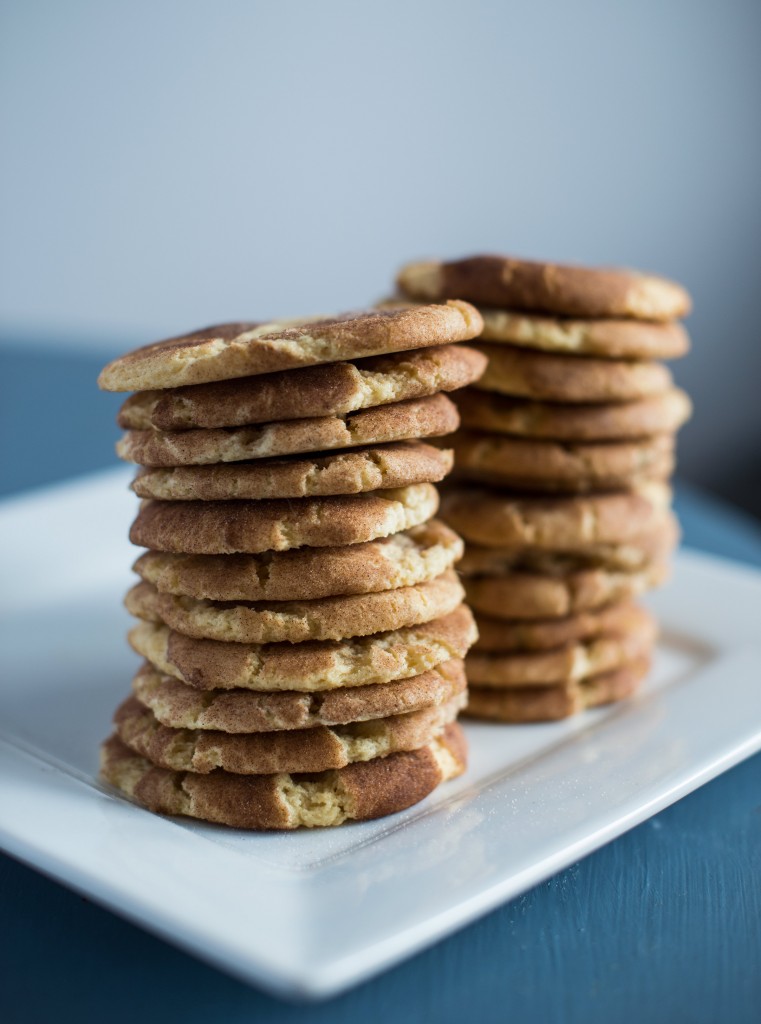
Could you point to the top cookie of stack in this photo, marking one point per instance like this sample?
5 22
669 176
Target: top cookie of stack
563 460
302 627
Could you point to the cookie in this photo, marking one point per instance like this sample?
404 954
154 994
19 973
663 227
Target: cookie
309 666
232 350
368 789
353 472
654 545
328 618
244 711
319 749
551 703
611 339
503 635
550 466
401 560
546 376
333 389
523 595
416 418
571 663
250 527
664 413
547 287
504 519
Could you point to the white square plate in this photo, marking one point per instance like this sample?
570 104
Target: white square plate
310 913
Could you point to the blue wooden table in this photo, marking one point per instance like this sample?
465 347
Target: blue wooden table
664 924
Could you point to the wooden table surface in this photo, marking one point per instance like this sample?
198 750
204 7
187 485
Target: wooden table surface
664 924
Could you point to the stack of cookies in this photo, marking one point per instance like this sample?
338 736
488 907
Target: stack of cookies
562 472
301 623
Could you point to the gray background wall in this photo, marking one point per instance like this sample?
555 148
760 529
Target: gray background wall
168 163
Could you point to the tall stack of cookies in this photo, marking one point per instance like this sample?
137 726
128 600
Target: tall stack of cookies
563 464
301 623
